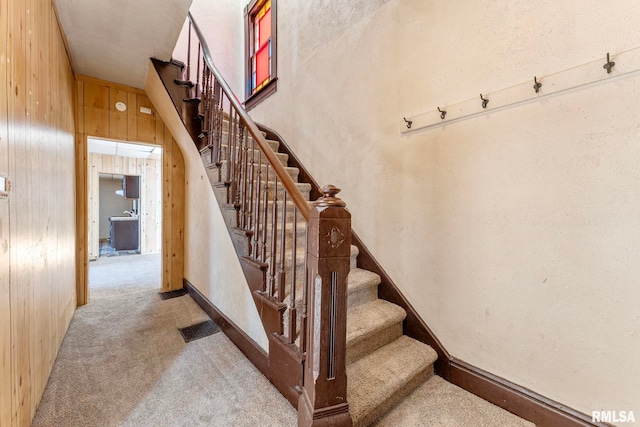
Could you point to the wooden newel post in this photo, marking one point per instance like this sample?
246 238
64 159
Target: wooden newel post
324 395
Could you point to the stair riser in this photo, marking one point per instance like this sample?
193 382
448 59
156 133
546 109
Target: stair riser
304 189
275 145
258 159
230 215
394 399
381 338
361 296
256 152
293 172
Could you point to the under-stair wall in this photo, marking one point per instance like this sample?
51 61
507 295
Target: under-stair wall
211 263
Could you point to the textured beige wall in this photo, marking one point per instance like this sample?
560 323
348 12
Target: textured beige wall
515 234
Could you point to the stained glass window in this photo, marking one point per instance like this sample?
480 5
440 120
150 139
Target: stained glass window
261 49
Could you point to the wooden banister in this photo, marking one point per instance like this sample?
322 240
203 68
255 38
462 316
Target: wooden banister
302 305
284 177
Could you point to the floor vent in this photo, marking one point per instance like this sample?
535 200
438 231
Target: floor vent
199 330
173 294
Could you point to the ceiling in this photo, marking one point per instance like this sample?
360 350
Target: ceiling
114 39
124 149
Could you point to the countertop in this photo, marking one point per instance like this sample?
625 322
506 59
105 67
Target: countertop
123 218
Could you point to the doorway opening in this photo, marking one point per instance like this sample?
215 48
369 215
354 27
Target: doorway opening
124 217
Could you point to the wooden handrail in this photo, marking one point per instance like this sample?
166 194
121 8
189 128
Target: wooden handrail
285 178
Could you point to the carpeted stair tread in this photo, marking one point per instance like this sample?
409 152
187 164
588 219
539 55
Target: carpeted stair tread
437 402
380 380
362 286
370 318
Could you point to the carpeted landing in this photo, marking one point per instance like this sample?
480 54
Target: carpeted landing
124 362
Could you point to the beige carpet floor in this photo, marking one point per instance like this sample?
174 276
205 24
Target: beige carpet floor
124 363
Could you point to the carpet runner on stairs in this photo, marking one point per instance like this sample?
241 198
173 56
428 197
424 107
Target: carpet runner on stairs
383 365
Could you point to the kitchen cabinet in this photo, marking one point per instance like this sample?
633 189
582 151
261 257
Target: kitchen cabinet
124 233
131 186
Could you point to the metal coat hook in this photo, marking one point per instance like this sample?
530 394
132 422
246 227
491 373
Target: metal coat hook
484 101
443 113
409 122
609 65
537 84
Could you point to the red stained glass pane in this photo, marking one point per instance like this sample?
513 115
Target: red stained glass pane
265 28
262 62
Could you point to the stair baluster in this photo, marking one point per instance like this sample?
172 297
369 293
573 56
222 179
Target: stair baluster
283 248
257 252
274 241
265 236
230 179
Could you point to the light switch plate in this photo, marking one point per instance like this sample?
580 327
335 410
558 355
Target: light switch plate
5 186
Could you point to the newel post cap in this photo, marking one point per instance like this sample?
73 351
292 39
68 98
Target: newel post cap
329 198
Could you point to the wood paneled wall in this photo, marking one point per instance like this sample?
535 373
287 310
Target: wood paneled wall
98 117
149 171
37 225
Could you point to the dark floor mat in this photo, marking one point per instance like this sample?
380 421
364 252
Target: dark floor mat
199 330
173 294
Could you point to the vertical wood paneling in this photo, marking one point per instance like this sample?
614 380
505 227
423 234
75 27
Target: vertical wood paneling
82 215
96 109
132 117
5 300
167 218
118 120
149 206
37 233
95 97
146 122
79 95
177 215
19 167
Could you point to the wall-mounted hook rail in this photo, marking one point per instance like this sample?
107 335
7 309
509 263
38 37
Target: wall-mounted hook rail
575 78
537 85
484 101
609 65
443 113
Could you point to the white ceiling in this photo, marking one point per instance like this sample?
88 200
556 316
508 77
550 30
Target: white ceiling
124 149
114 39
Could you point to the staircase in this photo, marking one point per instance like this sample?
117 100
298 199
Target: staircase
270 233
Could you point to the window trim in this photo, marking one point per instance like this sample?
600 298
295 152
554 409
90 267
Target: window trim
251 100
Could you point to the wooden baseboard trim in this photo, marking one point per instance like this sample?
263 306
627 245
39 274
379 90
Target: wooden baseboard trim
245 343
527 404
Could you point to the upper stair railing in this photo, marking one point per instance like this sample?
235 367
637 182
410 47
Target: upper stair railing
295 255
